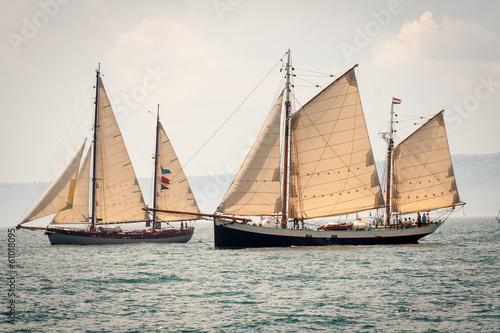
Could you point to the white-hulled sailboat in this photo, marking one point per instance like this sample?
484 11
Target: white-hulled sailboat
319 164
110 185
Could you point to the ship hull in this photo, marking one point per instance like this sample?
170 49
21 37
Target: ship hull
230 234
82 237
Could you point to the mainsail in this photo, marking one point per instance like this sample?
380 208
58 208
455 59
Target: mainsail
333 169
172 190
423 172
59 195
118 195
256 188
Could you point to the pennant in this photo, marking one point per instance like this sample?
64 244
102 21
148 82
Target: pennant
165 171
165 181
396 100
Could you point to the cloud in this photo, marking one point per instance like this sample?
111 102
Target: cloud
148 33
432 65
450 40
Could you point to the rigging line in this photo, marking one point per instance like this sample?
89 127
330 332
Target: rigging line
296 101
145 159
302 75
314 85
310 71
128 95
58 152
231 115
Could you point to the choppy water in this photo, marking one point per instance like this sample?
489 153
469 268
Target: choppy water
448 282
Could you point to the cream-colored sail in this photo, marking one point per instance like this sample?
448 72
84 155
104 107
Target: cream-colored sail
333 170
118 195
79 210
423 172
173 191
60 193
256 189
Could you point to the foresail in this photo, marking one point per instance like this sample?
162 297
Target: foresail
118 195
79 210
173 191
60 193
332 166
423 172
256 189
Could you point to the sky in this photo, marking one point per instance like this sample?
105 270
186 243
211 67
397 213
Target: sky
201 60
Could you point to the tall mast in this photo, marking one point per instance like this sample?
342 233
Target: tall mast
155 180
94 152
390 146
286 147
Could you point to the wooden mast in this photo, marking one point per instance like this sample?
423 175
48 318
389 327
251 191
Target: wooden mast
390 146
155 180
284 219
94 150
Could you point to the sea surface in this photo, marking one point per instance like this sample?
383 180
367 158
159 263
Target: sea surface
450 282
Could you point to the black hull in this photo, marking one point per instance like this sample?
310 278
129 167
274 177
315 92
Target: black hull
233 235
82 237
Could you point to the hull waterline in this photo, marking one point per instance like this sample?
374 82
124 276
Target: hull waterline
229 234
78 237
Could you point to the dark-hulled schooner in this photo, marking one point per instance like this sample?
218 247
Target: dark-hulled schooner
318 163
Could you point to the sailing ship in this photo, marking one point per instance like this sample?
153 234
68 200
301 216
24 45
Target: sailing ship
107 180
498 216
317 163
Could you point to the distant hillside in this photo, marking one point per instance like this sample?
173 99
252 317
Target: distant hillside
478 180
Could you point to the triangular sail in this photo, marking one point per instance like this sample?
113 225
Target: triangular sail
60 193
173 191
332 166
256 189
79 211
423 171
118 195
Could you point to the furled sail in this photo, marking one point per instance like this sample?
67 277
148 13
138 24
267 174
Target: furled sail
256 189
173 191
118 195
423 172
79 210
60 193
332 166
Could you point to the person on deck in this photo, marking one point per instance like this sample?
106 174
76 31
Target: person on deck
424 219
419 220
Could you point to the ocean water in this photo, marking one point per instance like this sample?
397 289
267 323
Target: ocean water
450 282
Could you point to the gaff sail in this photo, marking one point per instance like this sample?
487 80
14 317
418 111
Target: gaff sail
423 171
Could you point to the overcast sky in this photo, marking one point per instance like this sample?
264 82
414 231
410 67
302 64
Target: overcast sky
201 59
